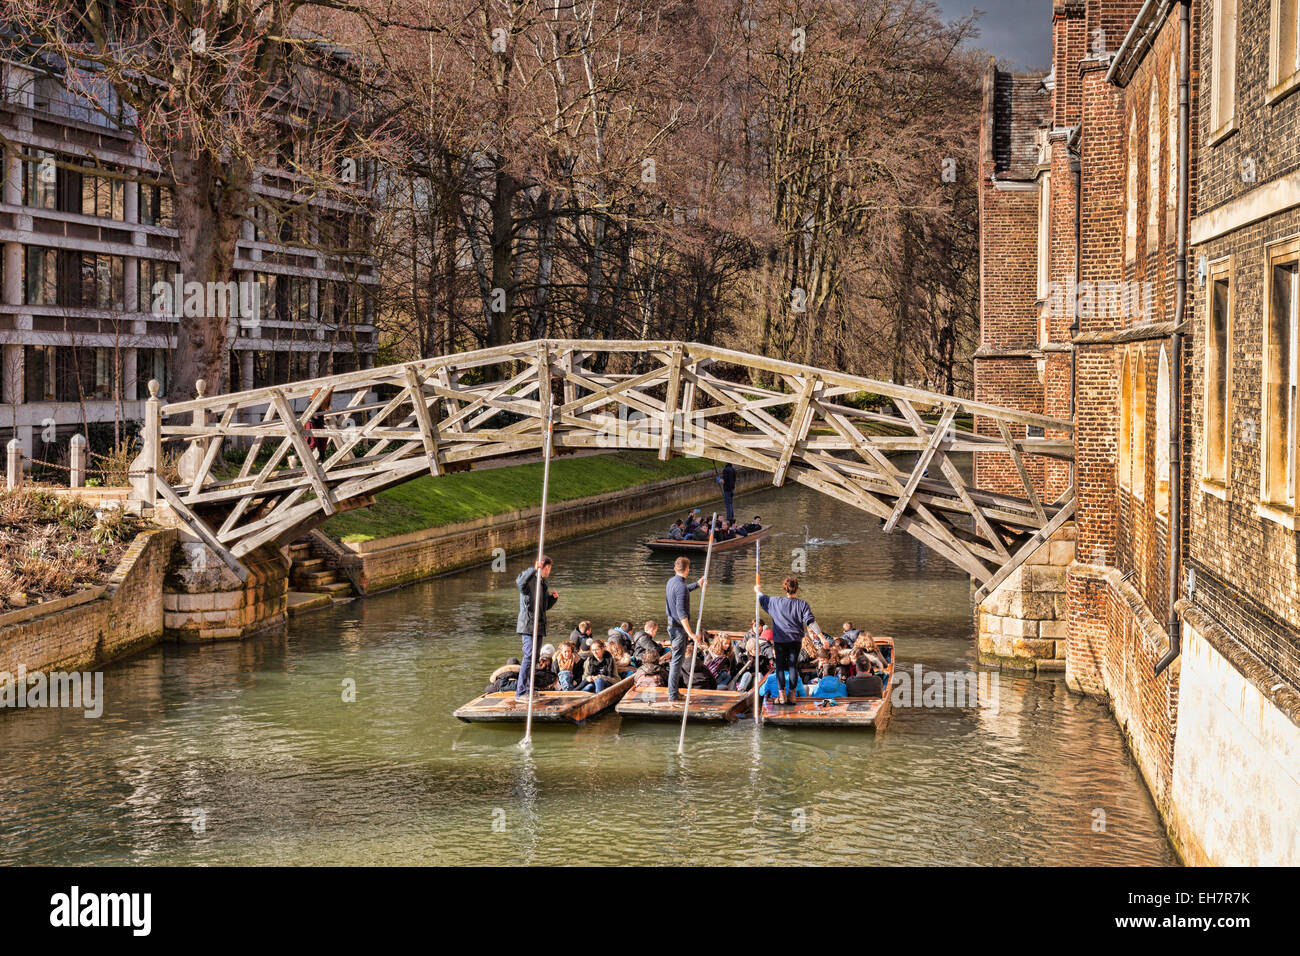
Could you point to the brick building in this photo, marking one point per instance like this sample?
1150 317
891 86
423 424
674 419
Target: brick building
1176 361
86 234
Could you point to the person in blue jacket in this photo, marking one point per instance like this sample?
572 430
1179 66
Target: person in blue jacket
527 584
791 617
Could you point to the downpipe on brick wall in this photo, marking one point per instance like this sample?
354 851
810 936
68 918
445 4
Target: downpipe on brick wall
1176 340
1076 166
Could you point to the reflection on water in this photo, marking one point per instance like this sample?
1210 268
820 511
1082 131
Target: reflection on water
247 753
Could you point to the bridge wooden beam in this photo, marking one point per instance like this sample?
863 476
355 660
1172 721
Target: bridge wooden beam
922 462
309 463
1025 551
428 428
669 421
800 421
1030 491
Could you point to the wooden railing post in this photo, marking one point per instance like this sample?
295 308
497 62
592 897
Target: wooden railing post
14 465
77 454
143 473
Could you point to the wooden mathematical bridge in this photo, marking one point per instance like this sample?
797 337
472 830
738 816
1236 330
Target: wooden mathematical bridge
379 427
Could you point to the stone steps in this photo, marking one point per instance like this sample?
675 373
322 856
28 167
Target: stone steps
311 573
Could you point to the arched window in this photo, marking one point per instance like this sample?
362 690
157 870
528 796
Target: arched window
1153 168
1139 439
1171 188
1162 434
1125 421
1131 218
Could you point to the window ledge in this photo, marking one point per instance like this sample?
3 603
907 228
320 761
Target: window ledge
1223 132
1286 519
1214 488
1283 88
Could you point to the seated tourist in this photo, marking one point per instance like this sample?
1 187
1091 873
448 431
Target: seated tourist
849 632
581 635
651 673
543 675
504 678
568 666
677 531
828 682
618 649
696 671
599 670
770 687
751 527
864 645
692 523
645 640
864 683
719 660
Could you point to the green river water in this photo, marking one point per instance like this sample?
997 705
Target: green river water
247 752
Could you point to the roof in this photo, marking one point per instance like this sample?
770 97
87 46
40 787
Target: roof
1020 107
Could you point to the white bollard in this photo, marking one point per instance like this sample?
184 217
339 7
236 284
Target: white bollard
14 465
77 452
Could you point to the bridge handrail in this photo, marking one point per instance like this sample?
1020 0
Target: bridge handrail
304 388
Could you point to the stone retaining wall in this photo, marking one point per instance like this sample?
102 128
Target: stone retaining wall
391 562
1024 624
205 601
88 629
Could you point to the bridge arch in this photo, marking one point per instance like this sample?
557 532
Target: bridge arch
384 426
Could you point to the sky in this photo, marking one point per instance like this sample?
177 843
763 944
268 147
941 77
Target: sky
1019 31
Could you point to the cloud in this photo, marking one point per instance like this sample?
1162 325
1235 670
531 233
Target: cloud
1016 31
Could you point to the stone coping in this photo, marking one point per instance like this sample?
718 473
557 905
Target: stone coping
24 614
1280 694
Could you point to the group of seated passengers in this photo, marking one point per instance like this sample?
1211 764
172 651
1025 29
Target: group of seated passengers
692 529
851 665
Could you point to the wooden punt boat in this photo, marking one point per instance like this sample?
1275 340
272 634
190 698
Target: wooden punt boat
861 712
652 703
691 547
554 706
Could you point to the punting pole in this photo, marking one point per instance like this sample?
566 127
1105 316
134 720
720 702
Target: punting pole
537 594
758 637
699 621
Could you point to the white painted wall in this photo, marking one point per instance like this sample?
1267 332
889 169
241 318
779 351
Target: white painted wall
1235 798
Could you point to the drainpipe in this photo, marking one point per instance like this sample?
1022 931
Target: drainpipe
1176 341
1076 165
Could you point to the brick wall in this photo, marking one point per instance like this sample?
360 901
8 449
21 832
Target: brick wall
86 631
1248 581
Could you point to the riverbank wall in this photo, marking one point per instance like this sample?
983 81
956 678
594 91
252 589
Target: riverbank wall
90 628
385 563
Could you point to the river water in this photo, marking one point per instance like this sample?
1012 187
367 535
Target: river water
248 753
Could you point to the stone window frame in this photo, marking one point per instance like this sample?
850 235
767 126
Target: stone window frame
1154 203
1283 38
1281 510
1044 235
1124 442
1222 269
1138 425
1164 389
1131 192
1171 113
1223 118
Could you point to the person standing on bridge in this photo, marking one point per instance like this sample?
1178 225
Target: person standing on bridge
791 618
527 584
677 605
728 480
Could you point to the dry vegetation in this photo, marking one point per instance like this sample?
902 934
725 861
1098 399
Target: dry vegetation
52 546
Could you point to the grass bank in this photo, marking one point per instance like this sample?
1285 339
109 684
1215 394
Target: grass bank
428 502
